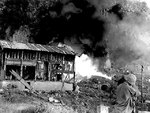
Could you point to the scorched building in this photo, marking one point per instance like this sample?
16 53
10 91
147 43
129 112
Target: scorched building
42 66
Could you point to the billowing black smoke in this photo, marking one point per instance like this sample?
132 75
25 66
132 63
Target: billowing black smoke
87 29
76 25
101 27
126 30
115 31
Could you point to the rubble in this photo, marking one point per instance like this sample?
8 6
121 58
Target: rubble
86 99
28 102
91 93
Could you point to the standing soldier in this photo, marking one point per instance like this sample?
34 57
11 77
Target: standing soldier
126 95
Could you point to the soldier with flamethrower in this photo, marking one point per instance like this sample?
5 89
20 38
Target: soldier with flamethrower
126 94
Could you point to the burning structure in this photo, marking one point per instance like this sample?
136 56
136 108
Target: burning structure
120 26
41 66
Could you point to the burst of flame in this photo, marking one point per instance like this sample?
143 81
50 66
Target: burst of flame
85 67
102 109
145 1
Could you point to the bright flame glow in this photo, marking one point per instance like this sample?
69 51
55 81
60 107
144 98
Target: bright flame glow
145 38
145 1
102 109
84 66
4 83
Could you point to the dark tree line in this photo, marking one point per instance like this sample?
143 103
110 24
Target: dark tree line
46 21
53 21
36 14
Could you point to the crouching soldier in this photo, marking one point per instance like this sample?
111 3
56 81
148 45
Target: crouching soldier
126 95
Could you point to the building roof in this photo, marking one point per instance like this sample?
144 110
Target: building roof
35 47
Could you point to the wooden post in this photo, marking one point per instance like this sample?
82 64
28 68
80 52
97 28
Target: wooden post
102 109
1 66
36 56
49 71
142 68
21 68
74 84
39 56
4 64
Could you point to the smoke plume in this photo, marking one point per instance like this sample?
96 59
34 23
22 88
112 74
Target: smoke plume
118 28
101 28
128 37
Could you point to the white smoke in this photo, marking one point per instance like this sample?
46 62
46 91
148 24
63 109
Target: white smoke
147 2
85 66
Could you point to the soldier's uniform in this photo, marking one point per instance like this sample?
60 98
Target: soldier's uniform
125 93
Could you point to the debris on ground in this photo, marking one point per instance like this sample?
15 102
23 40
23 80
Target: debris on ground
91 93
85 100
16 101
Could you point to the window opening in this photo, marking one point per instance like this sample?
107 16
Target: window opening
42 71
69 66
28 72
56 76
57 66
8 75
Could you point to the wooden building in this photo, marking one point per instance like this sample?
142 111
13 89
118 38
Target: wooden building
40 65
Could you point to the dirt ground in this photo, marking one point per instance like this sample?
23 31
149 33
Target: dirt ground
33 108
15 101
86 100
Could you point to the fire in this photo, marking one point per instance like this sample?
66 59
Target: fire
85 67
145 1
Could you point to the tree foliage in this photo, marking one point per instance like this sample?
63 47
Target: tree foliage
13 15
56 20
17 13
